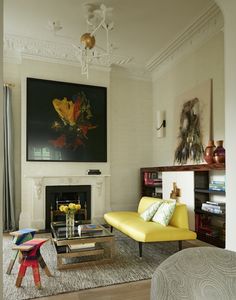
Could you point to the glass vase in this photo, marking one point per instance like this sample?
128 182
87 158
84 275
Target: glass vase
70 223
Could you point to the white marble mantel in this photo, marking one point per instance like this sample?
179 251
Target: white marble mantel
33 196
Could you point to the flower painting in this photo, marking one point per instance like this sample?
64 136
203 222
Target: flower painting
65 121
74 122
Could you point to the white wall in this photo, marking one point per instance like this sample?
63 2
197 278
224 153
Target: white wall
129 130
229 11
131 138
202 64
186 190
51 71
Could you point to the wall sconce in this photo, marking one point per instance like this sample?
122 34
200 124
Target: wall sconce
161 123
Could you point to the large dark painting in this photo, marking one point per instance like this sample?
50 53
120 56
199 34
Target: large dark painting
66 121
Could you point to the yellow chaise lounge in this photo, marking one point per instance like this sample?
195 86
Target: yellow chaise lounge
131 224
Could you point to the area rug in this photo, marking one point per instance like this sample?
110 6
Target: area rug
125 267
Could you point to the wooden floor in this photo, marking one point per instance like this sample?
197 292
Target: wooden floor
138 290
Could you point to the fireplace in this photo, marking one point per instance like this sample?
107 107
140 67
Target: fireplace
64 194
34 203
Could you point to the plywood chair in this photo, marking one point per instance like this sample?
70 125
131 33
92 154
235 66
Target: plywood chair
31 257
19 237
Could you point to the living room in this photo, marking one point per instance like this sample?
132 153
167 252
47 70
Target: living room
134 95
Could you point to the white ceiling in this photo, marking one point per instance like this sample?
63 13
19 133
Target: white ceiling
142 27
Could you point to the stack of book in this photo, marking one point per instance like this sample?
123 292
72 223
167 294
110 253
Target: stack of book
89 228
151 179
85 246
217 186
214 207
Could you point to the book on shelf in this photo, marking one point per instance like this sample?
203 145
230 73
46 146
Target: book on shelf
221 182
214 233
217 207
217 186
216 203
218 189
87 246
151 178
213 210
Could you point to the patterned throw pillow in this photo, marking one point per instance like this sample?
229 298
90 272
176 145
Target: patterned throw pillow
150 211
164 213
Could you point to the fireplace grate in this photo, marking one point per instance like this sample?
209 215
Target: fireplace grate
59 195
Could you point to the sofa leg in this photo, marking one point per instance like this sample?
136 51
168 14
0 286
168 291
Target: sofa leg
180 245
111 229
140 244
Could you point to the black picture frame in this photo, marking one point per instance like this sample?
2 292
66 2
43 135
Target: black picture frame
66 121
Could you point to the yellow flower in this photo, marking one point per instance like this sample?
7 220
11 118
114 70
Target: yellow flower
77 206
65 110
72 206
66 209
61 208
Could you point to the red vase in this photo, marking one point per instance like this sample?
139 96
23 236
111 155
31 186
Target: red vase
219 153
209 151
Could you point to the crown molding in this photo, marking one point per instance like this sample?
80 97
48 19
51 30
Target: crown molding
17 48
132 72
199 32
26 47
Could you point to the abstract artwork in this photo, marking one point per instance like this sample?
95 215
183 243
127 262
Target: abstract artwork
190 141
192 124
66 122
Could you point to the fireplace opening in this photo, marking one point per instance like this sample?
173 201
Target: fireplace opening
65 194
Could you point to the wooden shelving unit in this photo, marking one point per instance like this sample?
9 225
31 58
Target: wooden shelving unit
210 227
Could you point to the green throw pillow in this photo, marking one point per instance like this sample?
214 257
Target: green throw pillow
150 211
164 213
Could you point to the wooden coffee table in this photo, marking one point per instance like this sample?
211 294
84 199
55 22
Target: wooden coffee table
67 245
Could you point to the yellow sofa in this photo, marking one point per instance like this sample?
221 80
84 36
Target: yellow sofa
131 224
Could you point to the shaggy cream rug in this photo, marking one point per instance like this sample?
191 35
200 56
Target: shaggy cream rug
125 267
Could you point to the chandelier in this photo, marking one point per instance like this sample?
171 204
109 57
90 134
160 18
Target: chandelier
88 51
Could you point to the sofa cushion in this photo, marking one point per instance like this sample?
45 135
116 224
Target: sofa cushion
145 202
164 213
150 211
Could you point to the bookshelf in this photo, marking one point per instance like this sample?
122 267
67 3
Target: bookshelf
209 225
151 182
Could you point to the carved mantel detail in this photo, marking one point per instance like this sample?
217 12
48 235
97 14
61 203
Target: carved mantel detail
40 182
99 185
38 187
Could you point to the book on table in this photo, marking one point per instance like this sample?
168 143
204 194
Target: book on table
89 228
84 246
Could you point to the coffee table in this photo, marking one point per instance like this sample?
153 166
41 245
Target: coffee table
98 245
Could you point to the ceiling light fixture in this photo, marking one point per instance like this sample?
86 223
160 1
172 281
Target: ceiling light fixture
88 51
